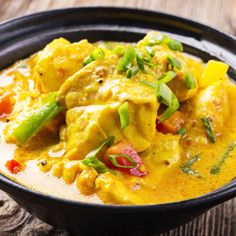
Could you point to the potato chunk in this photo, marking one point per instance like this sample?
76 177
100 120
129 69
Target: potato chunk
213 72
57 61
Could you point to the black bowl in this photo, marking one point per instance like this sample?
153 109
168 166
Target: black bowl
21 37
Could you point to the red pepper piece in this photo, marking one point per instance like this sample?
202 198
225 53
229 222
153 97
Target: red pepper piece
124 147
5 106
171 125
13 166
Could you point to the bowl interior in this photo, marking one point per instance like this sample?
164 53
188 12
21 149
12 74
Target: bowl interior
22 37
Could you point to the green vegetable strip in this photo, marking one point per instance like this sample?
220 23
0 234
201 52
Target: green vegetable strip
123 112
93 162
97 53
37 118
168 76
156 39
171 109
91 159
186 168
164 94
140 62
119 50
149 84
113 159
182 131
174 45
150 51
132 72
127 60
216 168
207 124
175 63
190 81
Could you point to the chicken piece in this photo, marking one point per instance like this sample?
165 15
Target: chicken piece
212 102
165 149
102 121
99 83
112 190
57 61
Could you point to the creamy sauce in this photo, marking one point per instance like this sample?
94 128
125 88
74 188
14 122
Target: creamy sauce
37 180
163 155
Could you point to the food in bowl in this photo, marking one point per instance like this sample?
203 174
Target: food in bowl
118 123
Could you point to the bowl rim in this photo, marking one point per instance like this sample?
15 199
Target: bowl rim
212 198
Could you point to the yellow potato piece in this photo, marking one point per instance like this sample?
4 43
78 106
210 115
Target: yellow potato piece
214 71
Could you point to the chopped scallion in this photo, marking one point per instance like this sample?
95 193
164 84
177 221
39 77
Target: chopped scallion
131 72
171 109
186 168
164 94
207 124
175 63
97 53
127 60
182 131
149 84
119 50
168 76
140 61
123 112
190 81
216 168
114 160
91 159
37 118
174 45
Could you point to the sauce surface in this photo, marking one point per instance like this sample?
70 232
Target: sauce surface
118 123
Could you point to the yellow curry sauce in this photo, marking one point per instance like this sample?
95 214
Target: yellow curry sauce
118 123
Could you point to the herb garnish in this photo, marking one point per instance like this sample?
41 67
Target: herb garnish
216 168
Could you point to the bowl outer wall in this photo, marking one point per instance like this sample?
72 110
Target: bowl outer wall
23 36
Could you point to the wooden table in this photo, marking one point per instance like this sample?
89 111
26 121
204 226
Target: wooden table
221 220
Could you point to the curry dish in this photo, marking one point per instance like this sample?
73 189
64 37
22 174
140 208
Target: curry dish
118 123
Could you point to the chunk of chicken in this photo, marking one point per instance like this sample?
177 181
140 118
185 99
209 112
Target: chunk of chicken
101 121
57 61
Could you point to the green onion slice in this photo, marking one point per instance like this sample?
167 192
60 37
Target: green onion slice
149 84
91 159
131 72
113 159
175 63
190 81
97 53
37 118
155 39
164 94
93 162
216 168
207 124
119 50
123 113
149 51
174 45
166 77
171 109
186 168
127 60
140 61
182 131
